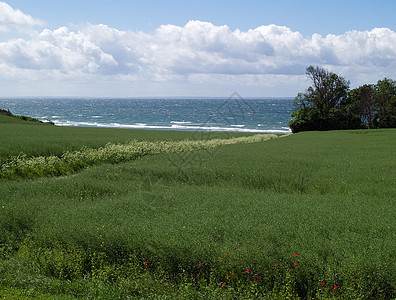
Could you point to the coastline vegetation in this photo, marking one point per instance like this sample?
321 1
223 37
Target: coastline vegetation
307 216
10 117
329 104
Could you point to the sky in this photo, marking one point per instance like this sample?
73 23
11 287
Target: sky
126 48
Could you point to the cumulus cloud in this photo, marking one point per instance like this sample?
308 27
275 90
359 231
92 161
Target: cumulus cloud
197 51
10 17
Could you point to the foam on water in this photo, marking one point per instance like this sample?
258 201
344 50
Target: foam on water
190 114
171 127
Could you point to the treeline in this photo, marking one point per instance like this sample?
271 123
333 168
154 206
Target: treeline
329 104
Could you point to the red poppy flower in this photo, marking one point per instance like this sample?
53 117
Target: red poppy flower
223 284
228 277
322 284
201 264
295 254
145 263
255 278
335 287
248 271
295 264
28 234
276 265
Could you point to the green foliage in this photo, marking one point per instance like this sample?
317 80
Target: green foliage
329 105
328 91
385 98
363 99
323 106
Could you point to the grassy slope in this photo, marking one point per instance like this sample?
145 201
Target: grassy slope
327 196
11 119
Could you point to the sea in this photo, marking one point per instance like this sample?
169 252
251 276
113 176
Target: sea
232 114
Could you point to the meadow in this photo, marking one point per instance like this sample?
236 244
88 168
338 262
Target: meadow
304 216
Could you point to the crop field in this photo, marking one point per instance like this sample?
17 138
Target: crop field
304 216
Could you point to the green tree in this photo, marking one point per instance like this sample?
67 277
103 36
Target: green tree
364 102
385 97
323 105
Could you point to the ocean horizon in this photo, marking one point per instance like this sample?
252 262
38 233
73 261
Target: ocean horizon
231 114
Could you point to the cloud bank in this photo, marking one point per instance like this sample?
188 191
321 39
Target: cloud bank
197 53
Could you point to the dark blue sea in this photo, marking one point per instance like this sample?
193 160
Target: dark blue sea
234 113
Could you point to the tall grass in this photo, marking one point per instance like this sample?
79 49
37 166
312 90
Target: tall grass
226 227
72 161
36 139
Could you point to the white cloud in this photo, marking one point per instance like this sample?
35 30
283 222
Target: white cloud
196 53
10 17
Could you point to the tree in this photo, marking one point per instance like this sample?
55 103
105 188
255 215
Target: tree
328 104
321 106
363 100
385 97
328 90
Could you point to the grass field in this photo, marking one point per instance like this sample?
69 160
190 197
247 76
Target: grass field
306 216
34 139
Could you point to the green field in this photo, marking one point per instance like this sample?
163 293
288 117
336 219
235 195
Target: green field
33 139
310 216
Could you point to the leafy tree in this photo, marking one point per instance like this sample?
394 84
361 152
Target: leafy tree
328 90
385 97
322 106
364 102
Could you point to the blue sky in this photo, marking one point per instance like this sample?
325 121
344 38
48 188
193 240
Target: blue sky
307 17
190 48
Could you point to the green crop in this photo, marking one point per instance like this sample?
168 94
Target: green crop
307 216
